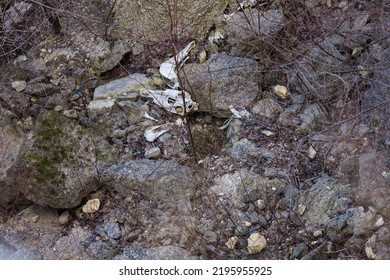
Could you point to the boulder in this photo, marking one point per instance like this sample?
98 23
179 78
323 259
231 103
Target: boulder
57 166
222 81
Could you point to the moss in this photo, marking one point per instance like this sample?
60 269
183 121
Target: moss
53 145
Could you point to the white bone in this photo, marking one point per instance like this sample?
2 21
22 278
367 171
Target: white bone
171 100
152 133
168 69
146 115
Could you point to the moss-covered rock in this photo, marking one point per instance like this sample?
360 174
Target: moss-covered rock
58 165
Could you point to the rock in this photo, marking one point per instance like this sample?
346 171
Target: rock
105 55
377 246
245 186
267 108
338 229
19 85
364 222
31 232
282 92
112 229
309 117
97 106
231 243
153 153
171 252
244 28
15 14
373 188
71 114
41 89
91 206
64 218
222 81
256 243
166 182
11 140
289 115
315 74
312 152
260 204
196 16
242 149
123 87
58 164
298 251
326 198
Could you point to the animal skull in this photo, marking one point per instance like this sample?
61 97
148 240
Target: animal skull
171 100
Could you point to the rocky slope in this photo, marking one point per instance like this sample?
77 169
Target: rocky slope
301 170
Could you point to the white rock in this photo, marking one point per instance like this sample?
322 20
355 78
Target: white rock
317 233
256 243
267 133
379 222
369 253
19 85
312 152
100 105
91 206
153 153
231 243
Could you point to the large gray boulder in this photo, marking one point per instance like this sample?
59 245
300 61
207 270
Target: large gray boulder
58 165
222 81
11 140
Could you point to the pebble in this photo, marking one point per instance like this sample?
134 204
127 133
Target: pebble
71 114
153 153
312 152
282 92
64 218
260 204
317 233
369 253
231 243
301 209
256 243
58 108
91 206
379 222
19 85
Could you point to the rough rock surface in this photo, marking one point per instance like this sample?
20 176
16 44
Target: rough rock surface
222 81
57 166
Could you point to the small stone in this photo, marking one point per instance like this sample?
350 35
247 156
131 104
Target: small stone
267 133
202 56
71 114
19 85
282 92
231 243
256 243
91 206
260 204
58 108
312 152
64 218
301 209
35 218
153 153
369 253
379 222
247 223
317 233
